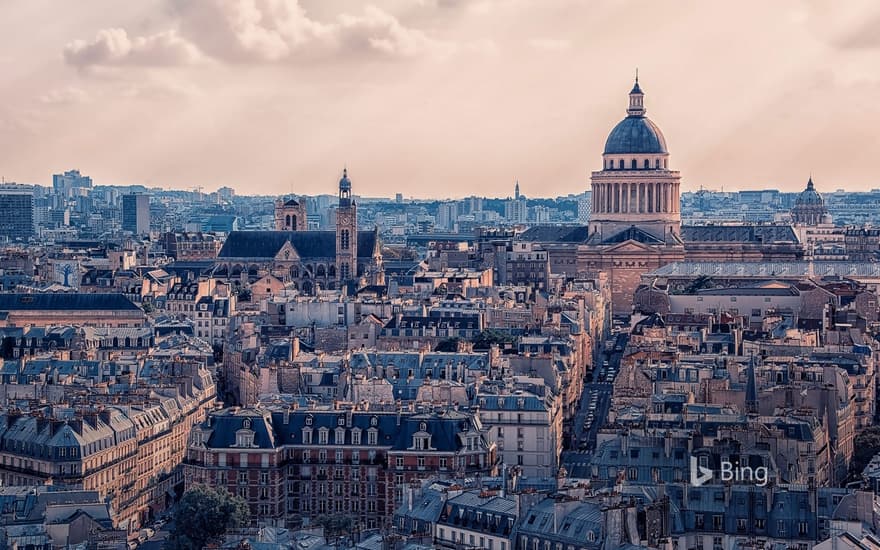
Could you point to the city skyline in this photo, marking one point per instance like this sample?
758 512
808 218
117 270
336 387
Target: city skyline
434 98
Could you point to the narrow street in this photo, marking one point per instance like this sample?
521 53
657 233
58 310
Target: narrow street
593 410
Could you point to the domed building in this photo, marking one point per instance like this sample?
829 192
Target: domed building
635 222
635 218
635 189
809 208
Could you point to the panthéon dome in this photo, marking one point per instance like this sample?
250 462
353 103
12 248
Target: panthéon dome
636 133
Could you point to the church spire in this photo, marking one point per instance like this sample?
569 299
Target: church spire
636 99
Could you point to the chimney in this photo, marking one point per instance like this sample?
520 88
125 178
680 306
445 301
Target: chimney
294 348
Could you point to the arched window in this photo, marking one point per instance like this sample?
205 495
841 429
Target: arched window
294 272
657 164
293 225
633 164
344 239
620 164
321 271
287 221
331 271
647 164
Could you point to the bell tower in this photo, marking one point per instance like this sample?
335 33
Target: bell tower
346 231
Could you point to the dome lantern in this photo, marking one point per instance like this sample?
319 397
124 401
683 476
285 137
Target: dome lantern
636 100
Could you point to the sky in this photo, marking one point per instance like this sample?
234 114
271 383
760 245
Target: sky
435 98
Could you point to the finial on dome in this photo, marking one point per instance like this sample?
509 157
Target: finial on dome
810 181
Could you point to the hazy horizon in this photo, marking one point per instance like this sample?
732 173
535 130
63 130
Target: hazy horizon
435 98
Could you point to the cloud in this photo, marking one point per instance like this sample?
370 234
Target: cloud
65 96
281 30
864 36
113 47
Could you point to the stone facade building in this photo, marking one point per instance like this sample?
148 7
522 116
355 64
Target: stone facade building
295 465
308 260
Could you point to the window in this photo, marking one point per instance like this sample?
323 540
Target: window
633 164
647 164
344 239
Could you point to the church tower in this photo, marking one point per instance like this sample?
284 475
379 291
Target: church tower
346 232
290 215
635 188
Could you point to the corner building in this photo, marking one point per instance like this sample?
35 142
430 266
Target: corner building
293 466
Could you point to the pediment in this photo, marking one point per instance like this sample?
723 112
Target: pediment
287 253
629 246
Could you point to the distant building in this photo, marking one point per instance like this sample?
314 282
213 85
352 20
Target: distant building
67 184
516 210
17 205
447 214
809 208
584 206
136 213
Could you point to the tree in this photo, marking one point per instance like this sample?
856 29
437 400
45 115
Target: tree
486 338
865 446
203 515
335 525
448 345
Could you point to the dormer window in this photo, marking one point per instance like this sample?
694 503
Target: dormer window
340 421
356 436
307 436
339 436
244 438
374 421
323 435
309 420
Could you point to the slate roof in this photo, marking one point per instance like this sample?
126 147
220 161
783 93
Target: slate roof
66 301
556 234
739 233
633 233
777 270
308 244
396 432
